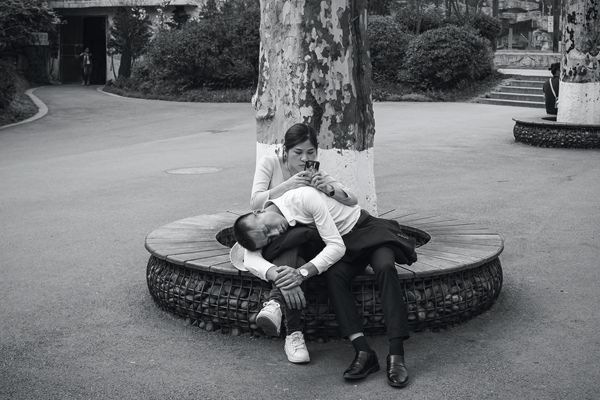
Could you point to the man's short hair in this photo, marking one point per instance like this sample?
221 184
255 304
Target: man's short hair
241 231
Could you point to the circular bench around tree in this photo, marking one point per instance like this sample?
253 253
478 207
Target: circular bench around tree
546 132
457 275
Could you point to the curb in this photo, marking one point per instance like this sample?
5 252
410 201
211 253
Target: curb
100 90
42 109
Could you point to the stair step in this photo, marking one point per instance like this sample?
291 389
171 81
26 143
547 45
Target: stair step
515 96
502 102
519 89
524 83
530 78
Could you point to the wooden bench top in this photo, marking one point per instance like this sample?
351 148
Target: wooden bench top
453 245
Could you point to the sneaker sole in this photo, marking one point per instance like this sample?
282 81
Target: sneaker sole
267 326
299 361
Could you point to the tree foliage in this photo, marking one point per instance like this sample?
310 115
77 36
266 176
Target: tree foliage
130 34
419 19
380 7
218 50
19 19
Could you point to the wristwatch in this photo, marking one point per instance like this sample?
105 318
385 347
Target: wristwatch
332 192
303 273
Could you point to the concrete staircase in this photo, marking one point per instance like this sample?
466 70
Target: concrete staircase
517 90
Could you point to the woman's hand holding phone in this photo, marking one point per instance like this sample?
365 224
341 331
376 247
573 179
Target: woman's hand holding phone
319 181
302 178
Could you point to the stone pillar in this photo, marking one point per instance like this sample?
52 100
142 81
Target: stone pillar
579 91
315 68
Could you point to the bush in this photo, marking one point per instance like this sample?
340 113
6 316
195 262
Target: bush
388 45
8 88
414 21
486 26
219 50
443 58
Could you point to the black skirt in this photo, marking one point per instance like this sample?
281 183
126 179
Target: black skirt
371 232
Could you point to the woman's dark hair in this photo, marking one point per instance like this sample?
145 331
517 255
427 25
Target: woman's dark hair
299 133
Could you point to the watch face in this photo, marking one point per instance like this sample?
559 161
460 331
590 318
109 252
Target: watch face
304 273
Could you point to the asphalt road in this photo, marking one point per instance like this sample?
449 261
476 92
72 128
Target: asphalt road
81 187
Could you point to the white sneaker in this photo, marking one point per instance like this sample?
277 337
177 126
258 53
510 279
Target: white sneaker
295 348
269 318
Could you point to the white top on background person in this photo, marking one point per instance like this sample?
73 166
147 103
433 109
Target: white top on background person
279 173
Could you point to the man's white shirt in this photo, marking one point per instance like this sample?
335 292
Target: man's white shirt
309 206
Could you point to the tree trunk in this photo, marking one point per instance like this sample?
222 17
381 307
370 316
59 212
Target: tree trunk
125 65
579 91
315 69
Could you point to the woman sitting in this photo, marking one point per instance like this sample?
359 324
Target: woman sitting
274 176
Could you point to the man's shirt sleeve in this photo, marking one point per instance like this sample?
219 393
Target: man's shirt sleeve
314 204
256 264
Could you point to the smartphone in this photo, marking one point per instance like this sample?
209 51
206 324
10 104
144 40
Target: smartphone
312 166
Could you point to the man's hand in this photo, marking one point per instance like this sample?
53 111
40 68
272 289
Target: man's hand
287 278
294 298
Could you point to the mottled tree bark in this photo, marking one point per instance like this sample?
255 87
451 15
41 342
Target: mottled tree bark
580 76
315 68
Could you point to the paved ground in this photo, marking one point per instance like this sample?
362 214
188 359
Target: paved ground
81 187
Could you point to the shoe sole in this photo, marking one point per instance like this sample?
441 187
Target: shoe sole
398 385
374 368
299 361
267 326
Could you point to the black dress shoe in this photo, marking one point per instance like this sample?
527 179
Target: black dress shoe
365 363
397 373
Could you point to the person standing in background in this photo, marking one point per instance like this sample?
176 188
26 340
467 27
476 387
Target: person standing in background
551 89
86 66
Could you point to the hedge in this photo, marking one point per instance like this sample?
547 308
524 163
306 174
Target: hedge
443 58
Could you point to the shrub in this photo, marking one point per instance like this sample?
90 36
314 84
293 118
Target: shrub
388 45
418 21
8 88
443 58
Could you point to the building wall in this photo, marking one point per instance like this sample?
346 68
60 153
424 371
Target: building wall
530 25
107 8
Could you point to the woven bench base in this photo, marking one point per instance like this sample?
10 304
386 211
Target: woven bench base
230 303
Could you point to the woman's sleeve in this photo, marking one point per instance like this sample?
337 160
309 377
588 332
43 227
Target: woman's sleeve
262 181
343 194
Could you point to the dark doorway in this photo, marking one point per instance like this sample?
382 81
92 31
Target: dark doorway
75 35
94 37
71 45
